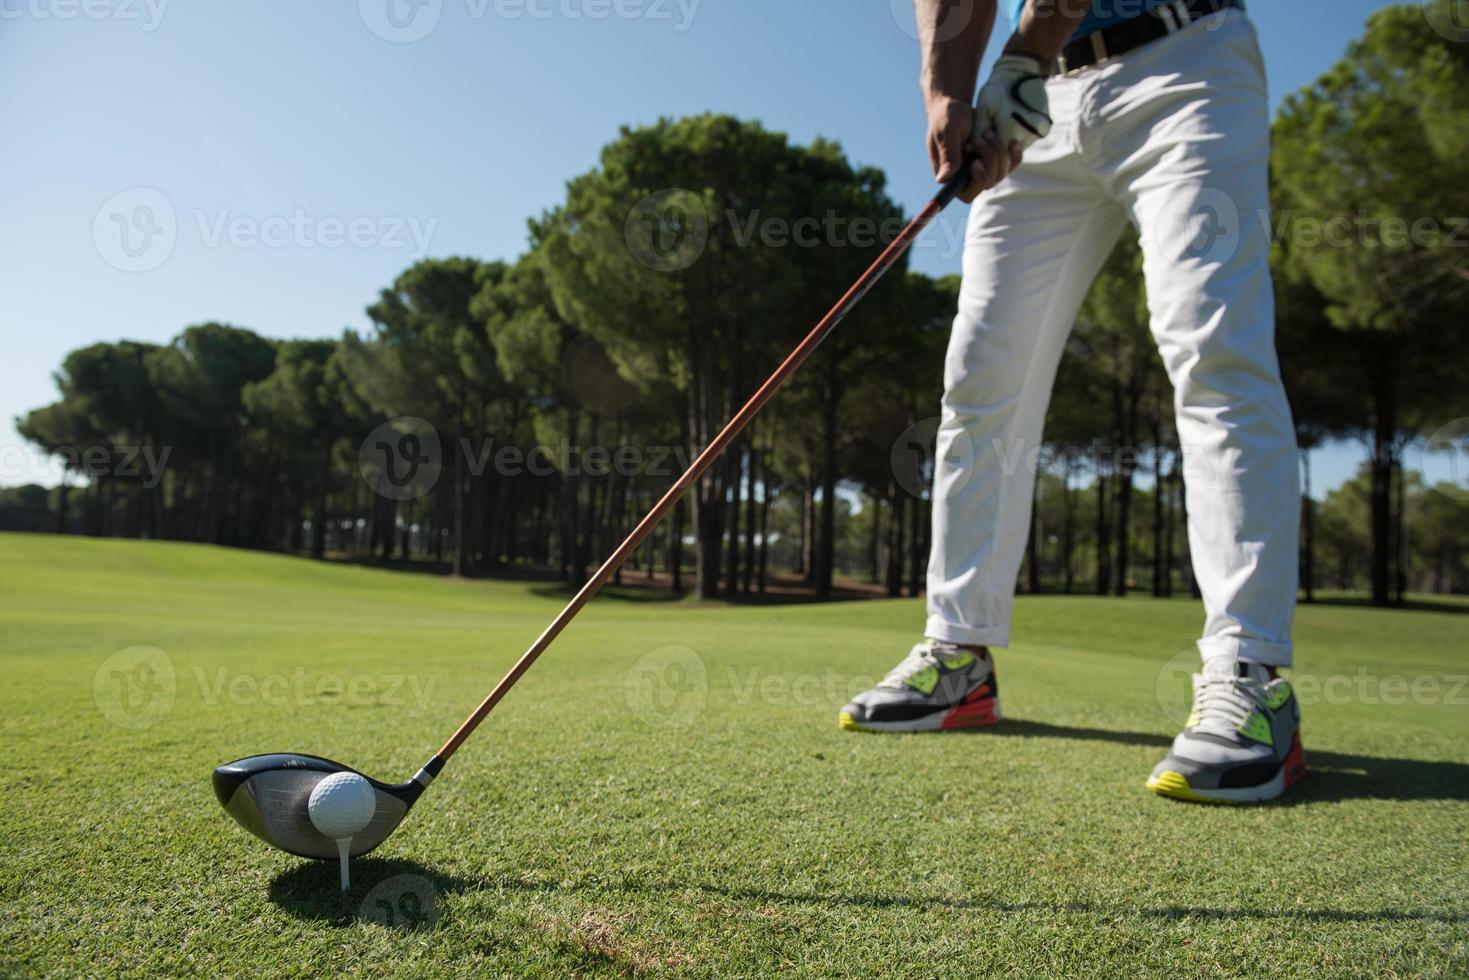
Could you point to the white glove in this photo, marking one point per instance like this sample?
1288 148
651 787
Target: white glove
1013 103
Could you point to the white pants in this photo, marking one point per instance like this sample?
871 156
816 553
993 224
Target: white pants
1173 137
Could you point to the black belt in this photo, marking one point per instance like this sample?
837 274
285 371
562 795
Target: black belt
1109 42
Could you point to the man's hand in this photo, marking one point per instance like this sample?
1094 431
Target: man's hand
952 139
1013 106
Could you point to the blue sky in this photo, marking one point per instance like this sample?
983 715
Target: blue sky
308 151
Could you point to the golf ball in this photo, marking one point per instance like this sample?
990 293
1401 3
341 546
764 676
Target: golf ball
342 804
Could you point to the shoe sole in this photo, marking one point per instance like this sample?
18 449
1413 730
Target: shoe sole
1175 785
978 714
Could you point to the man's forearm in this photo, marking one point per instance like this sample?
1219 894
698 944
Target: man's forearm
1044 29
952 50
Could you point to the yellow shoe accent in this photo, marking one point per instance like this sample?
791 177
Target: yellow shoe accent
1277 696
847 722
925 680
1256 727
961 659
1175 786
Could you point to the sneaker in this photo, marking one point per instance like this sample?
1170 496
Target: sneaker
940 686
1241 743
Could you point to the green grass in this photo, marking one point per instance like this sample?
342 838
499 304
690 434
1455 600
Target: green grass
725 826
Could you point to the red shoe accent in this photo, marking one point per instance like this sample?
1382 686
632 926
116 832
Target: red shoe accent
976 710
1295 763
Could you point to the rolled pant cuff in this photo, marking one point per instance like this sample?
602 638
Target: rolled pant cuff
1244 648
987 636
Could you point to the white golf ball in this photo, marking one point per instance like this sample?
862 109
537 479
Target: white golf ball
342 804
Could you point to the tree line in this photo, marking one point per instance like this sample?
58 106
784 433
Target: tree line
526 413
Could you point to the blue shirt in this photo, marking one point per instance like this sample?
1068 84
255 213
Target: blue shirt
1104 13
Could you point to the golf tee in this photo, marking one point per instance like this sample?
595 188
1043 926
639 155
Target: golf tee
343 844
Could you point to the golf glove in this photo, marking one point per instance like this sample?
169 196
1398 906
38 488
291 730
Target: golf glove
1013 102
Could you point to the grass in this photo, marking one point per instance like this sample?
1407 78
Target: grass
667 792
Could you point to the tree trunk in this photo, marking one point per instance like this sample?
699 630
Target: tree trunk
1400 533
874 542
752 459
826 547
675 547
916 551
806 555
1032 544
765 513
1104 543
318 535
1385 426
895 540
737 465
1068 532
463 563
1308 527
1158 491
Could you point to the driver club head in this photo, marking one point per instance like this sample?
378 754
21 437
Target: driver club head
268 795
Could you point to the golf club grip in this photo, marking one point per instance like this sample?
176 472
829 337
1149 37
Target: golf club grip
706 458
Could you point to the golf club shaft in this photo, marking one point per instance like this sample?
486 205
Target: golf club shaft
704 460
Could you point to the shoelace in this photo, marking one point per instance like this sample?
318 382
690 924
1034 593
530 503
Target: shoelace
921 657
1221 703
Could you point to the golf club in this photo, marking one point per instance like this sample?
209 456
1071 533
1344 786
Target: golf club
270 795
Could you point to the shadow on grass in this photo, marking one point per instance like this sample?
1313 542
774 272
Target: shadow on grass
394 893
1331 776
981 903
1408 605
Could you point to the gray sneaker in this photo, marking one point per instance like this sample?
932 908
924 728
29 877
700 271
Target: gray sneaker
939 686
1241 744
